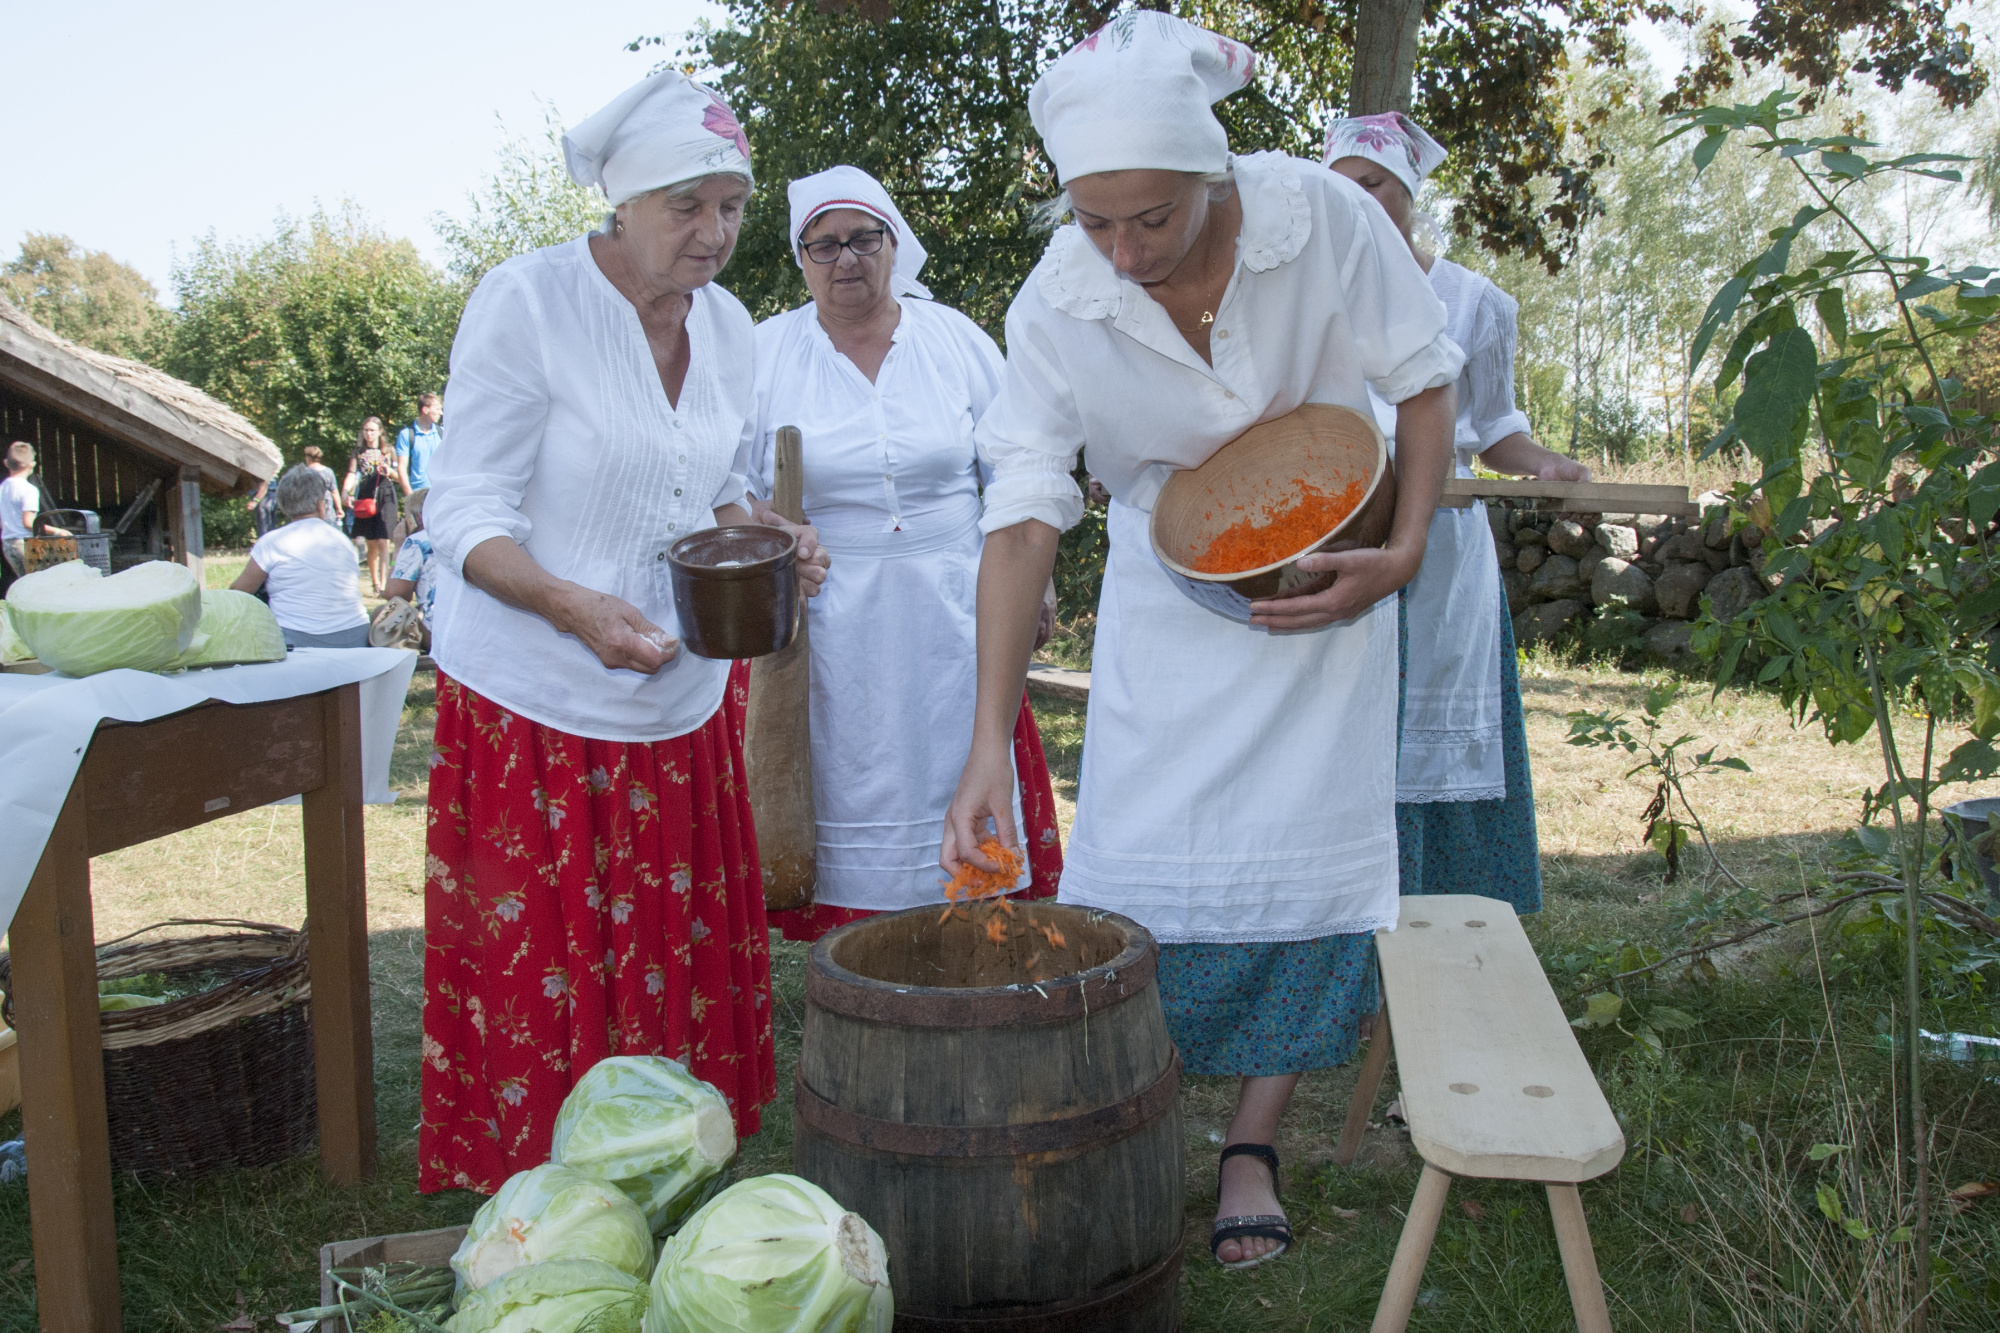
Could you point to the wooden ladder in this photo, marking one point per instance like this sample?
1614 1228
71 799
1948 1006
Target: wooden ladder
1493 1085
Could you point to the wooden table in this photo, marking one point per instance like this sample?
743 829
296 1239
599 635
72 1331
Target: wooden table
141 781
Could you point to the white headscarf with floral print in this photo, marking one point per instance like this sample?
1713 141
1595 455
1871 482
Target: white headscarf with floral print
661 131
1390 139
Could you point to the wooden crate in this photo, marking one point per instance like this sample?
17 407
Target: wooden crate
410 1247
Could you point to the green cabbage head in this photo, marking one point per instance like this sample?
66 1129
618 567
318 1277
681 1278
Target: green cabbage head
235 628
649 1127
80 623
772 1254
555 1296
553 1212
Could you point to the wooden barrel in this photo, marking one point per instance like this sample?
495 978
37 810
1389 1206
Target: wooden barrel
1016 1142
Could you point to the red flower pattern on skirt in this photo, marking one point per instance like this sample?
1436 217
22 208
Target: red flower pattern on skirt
582 898
1042 835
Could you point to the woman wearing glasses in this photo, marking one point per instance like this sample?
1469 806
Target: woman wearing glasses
886 387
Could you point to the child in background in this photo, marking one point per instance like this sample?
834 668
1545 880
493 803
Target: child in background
413 582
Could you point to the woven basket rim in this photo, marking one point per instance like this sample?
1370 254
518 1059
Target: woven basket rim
282 979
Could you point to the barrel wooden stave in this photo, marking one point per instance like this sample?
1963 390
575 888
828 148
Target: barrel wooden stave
1046 1188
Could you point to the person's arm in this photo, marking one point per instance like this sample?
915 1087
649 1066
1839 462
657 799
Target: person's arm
1519 456
610 627
258 498
1502 428
28 517
813 559
251 579
403 588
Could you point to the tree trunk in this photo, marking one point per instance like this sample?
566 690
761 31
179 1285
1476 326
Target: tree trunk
1385 55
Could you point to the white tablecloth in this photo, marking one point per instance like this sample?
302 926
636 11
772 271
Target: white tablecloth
46 723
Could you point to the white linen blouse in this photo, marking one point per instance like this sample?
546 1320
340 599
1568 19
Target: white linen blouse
1237 785
562 439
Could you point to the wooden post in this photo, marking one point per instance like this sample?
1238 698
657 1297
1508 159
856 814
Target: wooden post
337 948
1365 1088
1406 1270
53 946
777 728
1586 1289
192 550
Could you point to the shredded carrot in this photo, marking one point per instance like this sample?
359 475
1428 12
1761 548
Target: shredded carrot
1053 936
971 883
1286 530
996 929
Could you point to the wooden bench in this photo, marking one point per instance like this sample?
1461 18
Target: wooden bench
1493 1085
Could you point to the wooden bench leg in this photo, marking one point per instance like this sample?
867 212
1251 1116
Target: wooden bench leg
1399 1293
1586 1290
62 1088
337 949
1365 1088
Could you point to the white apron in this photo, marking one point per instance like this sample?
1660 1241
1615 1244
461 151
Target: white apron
1235 783
894 677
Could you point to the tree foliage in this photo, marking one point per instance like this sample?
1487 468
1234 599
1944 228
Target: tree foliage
85 295
528 202
313 329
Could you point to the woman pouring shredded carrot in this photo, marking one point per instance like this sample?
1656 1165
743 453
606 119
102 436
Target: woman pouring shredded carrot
1238 783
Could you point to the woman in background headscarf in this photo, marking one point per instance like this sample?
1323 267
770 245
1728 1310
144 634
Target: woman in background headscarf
1238 788
885 386
592 885
1465 804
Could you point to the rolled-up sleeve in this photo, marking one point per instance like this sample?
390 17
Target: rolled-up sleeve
1397 318
498 403
1030 435
1489 367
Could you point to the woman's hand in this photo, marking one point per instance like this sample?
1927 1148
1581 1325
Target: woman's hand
612 628
1520 456
814 559
985 791
1045 628
1362 577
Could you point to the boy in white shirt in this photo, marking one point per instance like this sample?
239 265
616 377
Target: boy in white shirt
20 502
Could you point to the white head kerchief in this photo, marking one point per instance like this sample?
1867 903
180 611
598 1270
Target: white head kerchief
1390 139
851 187
663 130
1135 94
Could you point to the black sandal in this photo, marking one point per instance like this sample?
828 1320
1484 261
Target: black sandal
1264 1226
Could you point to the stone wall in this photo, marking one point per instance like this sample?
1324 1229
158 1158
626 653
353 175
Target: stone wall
1555 567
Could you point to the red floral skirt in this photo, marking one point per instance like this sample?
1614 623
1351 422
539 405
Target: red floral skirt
1042 835
582 898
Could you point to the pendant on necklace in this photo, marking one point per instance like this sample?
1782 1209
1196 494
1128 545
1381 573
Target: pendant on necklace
1208 317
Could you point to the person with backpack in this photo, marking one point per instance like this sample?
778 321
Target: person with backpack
416 442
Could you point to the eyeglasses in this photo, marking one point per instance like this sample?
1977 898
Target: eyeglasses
826 249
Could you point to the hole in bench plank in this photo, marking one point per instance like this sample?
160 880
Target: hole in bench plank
1537 1090
1417 925
1475 923
1467 1088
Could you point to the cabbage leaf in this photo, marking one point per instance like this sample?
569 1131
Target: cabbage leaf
235 628
772 1254
12 650
555 1296
651 1128
548 1213
80 623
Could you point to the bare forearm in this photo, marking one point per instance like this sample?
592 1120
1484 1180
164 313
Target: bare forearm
501 568
1014 571
1519 456
1424 427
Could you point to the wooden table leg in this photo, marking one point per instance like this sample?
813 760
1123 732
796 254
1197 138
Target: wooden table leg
337 948
54 954
1586 1289
1406 1271
1365 1088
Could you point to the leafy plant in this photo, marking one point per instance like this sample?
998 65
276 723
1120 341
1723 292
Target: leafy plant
1666 832
1880 495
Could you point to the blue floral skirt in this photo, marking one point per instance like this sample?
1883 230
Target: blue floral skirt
1483 847
1255 1009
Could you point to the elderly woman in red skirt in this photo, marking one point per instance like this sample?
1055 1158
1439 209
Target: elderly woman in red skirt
592 885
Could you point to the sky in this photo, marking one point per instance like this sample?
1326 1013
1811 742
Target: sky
135 128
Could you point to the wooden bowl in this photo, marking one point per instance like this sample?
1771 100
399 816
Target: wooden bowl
1327 445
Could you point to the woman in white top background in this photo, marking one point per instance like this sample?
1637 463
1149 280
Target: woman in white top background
1238 784
1465 801
306 568
886 386
592 885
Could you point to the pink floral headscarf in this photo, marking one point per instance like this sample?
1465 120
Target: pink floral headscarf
1390 139
661 131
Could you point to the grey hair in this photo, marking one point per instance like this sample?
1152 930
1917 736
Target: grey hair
1052 213
299 491
678 190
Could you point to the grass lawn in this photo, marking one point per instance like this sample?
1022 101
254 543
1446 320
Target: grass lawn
1710 1223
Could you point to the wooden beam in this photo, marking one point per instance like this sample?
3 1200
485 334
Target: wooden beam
191 549
1585 497
337 947
119 411
62 1086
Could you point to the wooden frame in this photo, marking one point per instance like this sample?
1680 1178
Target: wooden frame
140 781
1582 497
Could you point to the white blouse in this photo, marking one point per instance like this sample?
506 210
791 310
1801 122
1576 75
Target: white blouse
562 439
1236 785
1482 320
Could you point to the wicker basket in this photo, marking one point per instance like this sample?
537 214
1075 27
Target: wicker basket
219 1079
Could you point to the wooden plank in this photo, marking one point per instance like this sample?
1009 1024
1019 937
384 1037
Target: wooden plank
777 727
1584 497
1493 1083
1059 682
337 947
191 549
147 780
62 1085
408 1247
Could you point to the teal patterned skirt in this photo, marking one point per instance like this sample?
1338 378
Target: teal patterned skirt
1255 1009
1483 847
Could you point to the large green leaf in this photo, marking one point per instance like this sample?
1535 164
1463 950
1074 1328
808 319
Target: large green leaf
1778 384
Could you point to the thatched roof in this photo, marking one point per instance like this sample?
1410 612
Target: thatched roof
149 409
